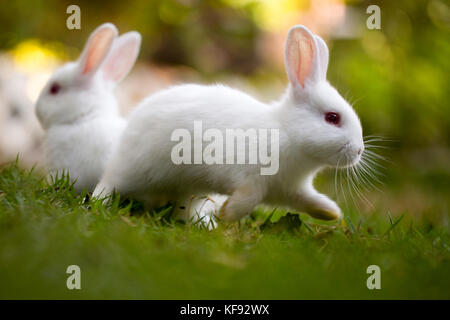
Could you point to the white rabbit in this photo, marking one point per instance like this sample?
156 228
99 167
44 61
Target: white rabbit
20 132
317 128
78 109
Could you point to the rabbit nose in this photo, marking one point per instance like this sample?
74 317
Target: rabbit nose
359 151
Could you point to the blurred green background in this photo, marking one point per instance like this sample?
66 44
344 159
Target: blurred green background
397 76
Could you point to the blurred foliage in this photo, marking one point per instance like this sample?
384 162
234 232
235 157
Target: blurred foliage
127 254
174 32
398 75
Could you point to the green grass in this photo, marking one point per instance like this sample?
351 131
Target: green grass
124 253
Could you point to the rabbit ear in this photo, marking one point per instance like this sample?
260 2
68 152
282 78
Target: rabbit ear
96 48
301 57
122 57
323 56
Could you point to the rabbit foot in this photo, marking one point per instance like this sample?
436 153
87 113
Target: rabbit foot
324 214
240 203
317 205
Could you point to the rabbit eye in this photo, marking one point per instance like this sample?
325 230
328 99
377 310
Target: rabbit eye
333 118
54 89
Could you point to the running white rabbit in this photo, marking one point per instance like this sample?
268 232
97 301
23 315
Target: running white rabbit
317 129
78 109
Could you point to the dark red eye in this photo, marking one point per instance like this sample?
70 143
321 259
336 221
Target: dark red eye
333 118
54 89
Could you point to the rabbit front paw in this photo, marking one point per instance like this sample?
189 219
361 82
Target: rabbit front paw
317 205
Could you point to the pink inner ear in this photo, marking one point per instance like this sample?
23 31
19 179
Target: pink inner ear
98 47
119 62
301 55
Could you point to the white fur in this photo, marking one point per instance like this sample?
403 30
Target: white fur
82 121
20 132
141 166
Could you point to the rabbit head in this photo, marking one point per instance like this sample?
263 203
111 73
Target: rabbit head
85 88
317 117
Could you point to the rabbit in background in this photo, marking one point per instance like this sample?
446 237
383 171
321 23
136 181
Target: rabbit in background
20 132
78 109
317 129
